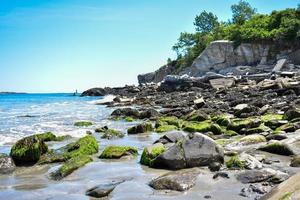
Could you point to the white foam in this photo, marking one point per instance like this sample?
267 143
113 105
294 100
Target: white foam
106 99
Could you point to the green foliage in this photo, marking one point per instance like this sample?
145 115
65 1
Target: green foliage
246 26
242 12
206 22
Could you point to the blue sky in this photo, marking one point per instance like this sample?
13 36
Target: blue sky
63 45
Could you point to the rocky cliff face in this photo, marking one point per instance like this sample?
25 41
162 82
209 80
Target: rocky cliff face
221 55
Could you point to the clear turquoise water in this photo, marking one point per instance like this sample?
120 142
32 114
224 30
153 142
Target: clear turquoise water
25 114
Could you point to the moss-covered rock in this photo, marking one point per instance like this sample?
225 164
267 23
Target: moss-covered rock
230 133
151 153
196 116
111 152
28 150
70 166
253 139
289 127
262 128
292 114
109 133
269 116
165 128
222 120
46 137
52 157
235 163
171 121
129 119
140 128
239 124
83 123
202 127
277 148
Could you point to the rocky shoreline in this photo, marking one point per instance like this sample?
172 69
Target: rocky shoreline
240 128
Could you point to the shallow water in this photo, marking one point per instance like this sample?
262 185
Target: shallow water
57 113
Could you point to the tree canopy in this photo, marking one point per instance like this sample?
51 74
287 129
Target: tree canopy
245 26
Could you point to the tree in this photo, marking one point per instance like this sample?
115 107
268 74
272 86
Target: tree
206 22
242 12
185 41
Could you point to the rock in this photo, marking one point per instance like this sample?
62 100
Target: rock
7 164
111 152
83 123
222 83
169 121
250 162
295 161
280 63
253 139
109 133
117 100
165 128
28 150
253 190
285 190
151 153
214 166
203 127
86 145
126 112
94 92
239 124
149 114
140 128
102 190
221 174
266 174
197 116
277 147
201 150
69 166
292 114
178 180
171 137
199 102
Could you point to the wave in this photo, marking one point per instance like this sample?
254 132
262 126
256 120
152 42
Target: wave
106 99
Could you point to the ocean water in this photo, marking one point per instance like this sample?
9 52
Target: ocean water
25 114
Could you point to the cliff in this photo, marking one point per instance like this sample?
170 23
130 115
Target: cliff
222 57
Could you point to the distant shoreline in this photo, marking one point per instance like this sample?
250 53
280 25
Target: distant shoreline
13 93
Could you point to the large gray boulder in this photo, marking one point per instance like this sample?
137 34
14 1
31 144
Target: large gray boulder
189 151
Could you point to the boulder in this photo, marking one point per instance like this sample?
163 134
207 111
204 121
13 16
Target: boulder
109 133
102 190
28 150
95 92
140 128
193 150
7 164
266 174
222 83
277 147
179 180
112 152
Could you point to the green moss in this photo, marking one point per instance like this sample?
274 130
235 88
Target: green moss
46 137
172 121
151 153
222 120
238 124
70 166
269 117
51 157
205 126
141 128
286 196
289 127
196 116
235 163
118 151
277 148
230 133
165 128
129 119
83 123
253 139
28 149
260 129
110 133
86 145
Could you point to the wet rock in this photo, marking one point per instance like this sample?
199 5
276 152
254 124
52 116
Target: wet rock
165 128
117 99
102 190
151 153
109 133
253 139
253 190
28 150
250 162
277 147
221 174
266 174
140 128
214 166
113 152
196 115
295 162
292 114
7 164
95 92
178 180
126 112
83 123
171 137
